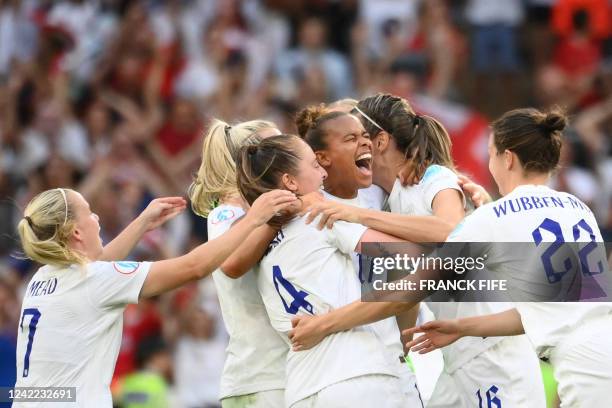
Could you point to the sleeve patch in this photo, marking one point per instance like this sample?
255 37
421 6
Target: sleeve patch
125 267
224 215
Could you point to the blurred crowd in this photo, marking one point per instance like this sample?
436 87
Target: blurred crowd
113 97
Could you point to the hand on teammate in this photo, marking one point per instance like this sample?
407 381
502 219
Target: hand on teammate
473 191
274 203
307 332
436 334
161 210
330 212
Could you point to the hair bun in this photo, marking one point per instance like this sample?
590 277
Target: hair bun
307 118
252 149
554 121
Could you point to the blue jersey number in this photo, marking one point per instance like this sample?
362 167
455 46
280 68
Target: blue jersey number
493 400
554 227
299 296
35 313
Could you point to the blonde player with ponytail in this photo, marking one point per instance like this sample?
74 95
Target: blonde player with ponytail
254 371
71 318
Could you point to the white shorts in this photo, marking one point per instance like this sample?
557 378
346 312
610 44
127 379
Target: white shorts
262 399
409 387
506 375
583 365
366 391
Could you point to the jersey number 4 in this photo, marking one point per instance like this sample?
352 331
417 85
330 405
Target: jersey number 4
298 296
554 228
35 313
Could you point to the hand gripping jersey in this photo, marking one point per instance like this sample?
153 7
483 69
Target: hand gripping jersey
70 328
308 271
256 355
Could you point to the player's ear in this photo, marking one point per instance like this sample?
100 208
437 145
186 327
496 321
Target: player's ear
76 235
381 141
323 158
509 159
289 182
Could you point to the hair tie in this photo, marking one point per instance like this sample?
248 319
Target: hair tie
252 149
416 122
29 220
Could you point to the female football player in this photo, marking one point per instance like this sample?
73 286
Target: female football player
310 271
524 150
71 318
254 371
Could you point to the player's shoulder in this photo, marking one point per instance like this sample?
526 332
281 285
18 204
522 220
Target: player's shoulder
225 213
119 267
437 172
222 217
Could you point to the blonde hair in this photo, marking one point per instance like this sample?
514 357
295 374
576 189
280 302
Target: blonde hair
345 105
216 177
46 227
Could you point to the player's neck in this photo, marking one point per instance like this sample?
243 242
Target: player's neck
234 199
516 180
385 174
340 190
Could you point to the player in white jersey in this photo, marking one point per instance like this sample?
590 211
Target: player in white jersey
575 337
425 141
254 371
344 150
71 318
310 271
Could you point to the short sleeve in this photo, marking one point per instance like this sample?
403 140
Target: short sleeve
436 179
344 235
116 283
221 219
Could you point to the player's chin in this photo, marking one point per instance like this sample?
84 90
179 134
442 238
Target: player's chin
364 180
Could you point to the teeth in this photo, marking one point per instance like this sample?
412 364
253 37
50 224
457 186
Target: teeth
365 156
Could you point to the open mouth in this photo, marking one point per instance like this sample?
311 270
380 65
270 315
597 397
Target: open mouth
364 164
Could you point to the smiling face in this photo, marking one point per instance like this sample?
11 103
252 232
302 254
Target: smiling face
348 153
310 174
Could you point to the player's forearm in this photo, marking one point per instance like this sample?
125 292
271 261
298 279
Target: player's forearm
413 228
506 323
359 313
120 247
197 264
249 252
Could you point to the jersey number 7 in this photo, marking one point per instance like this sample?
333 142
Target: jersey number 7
35 313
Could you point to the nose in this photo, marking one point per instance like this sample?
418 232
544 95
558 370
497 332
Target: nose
365 141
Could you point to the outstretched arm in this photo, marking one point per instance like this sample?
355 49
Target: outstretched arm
157 213
441 333
200 262
447 209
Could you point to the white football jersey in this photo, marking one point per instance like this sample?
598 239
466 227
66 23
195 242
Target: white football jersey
307 271
70 328
527 213
417 200
256 354
387 329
